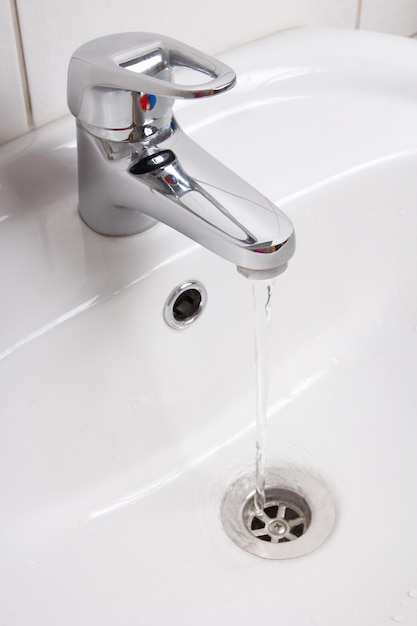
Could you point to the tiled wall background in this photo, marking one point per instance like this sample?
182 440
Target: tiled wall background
37 37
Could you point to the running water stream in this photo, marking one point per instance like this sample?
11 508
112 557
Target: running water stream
262 292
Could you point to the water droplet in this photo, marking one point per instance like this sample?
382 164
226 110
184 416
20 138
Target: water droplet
412 594
115 457
85 431
398 619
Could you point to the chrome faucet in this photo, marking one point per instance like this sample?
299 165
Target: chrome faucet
136 166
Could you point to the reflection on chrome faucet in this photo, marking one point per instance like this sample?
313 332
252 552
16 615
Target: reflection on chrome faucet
164 173
136 165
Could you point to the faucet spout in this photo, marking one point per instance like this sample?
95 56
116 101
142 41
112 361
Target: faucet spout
180 184
136 166
216 208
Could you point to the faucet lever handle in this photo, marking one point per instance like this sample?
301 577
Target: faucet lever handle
105 63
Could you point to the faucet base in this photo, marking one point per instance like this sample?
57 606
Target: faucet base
101 207
123 224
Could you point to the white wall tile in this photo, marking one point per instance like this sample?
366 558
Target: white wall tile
53 29
12 103
398 17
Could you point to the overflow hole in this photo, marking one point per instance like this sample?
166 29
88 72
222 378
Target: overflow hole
185 304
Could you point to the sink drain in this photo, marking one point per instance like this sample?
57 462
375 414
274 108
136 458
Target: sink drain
298 516
286 516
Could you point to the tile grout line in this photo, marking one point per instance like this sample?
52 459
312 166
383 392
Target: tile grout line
22 62
358 14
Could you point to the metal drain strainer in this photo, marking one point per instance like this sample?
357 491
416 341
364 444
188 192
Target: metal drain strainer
298 516
286 517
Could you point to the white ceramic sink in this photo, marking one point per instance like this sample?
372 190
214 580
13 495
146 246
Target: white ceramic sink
120 436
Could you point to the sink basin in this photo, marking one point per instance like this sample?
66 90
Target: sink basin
120 435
